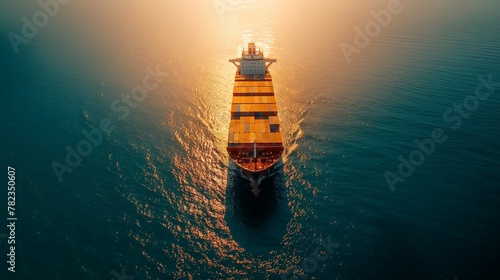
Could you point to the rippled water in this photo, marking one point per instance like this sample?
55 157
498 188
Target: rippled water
159 198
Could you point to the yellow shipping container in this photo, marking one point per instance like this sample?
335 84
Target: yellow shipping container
252 137
277 138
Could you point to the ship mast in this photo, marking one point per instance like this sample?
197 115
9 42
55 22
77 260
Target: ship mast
255 149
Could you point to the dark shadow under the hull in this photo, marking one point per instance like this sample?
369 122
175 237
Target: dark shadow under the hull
258 224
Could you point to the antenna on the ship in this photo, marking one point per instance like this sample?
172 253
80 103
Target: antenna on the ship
255 149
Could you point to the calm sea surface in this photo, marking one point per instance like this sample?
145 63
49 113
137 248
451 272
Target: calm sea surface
157 198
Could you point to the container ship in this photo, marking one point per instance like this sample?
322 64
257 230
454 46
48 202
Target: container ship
254 143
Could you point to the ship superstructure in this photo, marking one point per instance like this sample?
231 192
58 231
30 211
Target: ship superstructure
254 143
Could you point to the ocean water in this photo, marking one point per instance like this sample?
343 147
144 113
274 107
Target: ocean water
157 197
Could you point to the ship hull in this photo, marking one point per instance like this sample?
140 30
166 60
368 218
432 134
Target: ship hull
254 142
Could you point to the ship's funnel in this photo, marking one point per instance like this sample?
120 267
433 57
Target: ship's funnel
251 48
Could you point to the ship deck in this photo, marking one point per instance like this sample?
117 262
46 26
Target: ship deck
254 126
